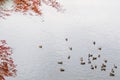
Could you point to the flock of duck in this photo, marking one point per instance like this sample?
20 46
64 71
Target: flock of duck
91 58
61 62
103 66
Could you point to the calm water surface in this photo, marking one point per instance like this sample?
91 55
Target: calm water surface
82 24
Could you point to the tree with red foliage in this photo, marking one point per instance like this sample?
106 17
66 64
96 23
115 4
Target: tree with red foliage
28 5
7 66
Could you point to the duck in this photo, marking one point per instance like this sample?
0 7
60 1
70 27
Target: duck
95 66
112 74
89 61
99 56
94 42
103 69
88 58
66 39
94 58
90 55
70 48
62 70
92 67
105 61
115 66
99 48
60 62
82 63
68 57
40 46
103 65
112 71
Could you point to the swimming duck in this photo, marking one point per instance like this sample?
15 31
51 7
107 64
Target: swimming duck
99 56
95 66
94 42
68 57
92 67
94 58
89 61
99 48
112 71
70 48
66 39
82 63
105 61
103 69
62 70
103 65
40 46
90 55
60 62
112 74
115 66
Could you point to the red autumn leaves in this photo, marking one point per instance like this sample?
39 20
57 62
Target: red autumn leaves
28 5
25 5
2 2
7 66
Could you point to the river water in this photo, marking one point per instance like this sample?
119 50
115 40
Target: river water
82 23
